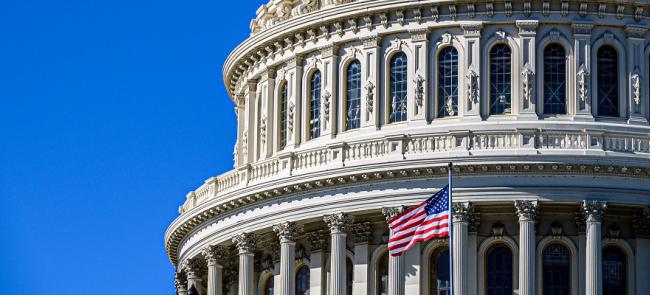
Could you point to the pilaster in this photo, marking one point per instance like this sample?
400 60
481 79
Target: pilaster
318 241
249 141
642 234
636 102
329 93
582 54
267 119
361 234
471 100
370 114
527 68
527 212
419 105
294 76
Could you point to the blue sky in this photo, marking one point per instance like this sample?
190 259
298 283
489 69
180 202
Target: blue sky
110 112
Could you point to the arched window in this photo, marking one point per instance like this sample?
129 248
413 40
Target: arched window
439 272
353 96
500 79
448 82
349 267
607 63
314 105
554 79
302 280
398 87
556 267
268 286
498 268
614 274
283 114
382 275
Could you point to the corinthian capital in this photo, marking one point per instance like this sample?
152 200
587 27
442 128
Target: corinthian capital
287 231
245 242
180 281
337 222
390 212
527 210
594 210
214 253
193 266
461 211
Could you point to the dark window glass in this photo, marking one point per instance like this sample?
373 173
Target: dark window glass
500 79
302 281
382 275
607 82
283 114
353 97
554 79
498 269
439 272
556 262
314 105
268 286
448 82
614 274
349 267
398 87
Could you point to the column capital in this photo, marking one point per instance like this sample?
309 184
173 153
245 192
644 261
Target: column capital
635 32
372 41
641 223
390 212
361 232
338 222
472 29
287 231
318 240
245 242
462 212
214 253
527 27
421 34
193 266
527 210
581 28
180 281
594 210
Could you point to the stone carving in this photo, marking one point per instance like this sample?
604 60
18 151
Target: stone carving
214 253
391 212
263 130
361 232
180 281
641 223
235 155
449 106
462 212
397 44
594 210
287 231
338 222
244 142
419 90
292 106
326 104
193 266
267 264
498 230
527 81
318 240
527 210
305 6
583 84
501 35
445 39
473 86
370 96
636 87
245 242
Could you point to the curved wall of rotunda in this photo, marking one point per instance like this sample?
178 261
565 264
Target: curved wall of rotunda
350 111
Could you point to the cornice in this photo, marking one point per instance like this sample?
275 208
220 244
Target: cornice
192 219
330 24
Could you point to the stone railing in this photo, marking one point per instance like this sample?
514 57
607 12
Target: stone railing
387 149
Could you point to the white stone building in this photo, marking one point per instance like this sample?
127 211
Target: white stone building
349 111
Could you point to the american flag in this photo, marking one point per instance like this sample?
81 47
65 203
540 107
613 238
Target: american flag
426 221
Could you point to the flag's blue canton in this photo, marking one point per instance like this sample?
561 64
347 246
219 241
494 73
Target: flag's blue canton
438 202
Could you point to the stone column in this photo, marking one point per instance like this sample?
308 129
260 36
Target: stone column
527 212
642 233
594 211
395 263
419 103
474 220
318 241
240 110
337 224
329 94
214 256
287 233
294 89
194 268
582 245
370 113
248 137
361 233
636 104
461 215
469 101
180 281
527 35
582 53
245 243
267 113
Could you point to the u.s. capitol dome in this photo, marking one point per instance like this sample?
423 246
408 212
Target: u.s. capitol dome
349 111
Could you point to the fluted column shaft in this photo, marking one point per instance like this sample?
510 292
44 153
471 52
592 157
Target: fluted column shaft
246 245
338 273
287 233
593 211
396 264
460 218
193 279
213 255
527 212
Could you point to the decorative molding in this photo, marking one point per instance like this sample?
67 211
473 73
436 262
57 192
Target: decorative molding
390 212
326 104
641 223
527 210
594 210
245 242
473 84
338 222
528 80
370 96
583 84
287 231
318 240
361 232
214 253
635 81
418 83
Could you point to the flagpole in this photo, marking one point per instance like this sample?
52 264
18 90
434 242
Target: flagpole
451 236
